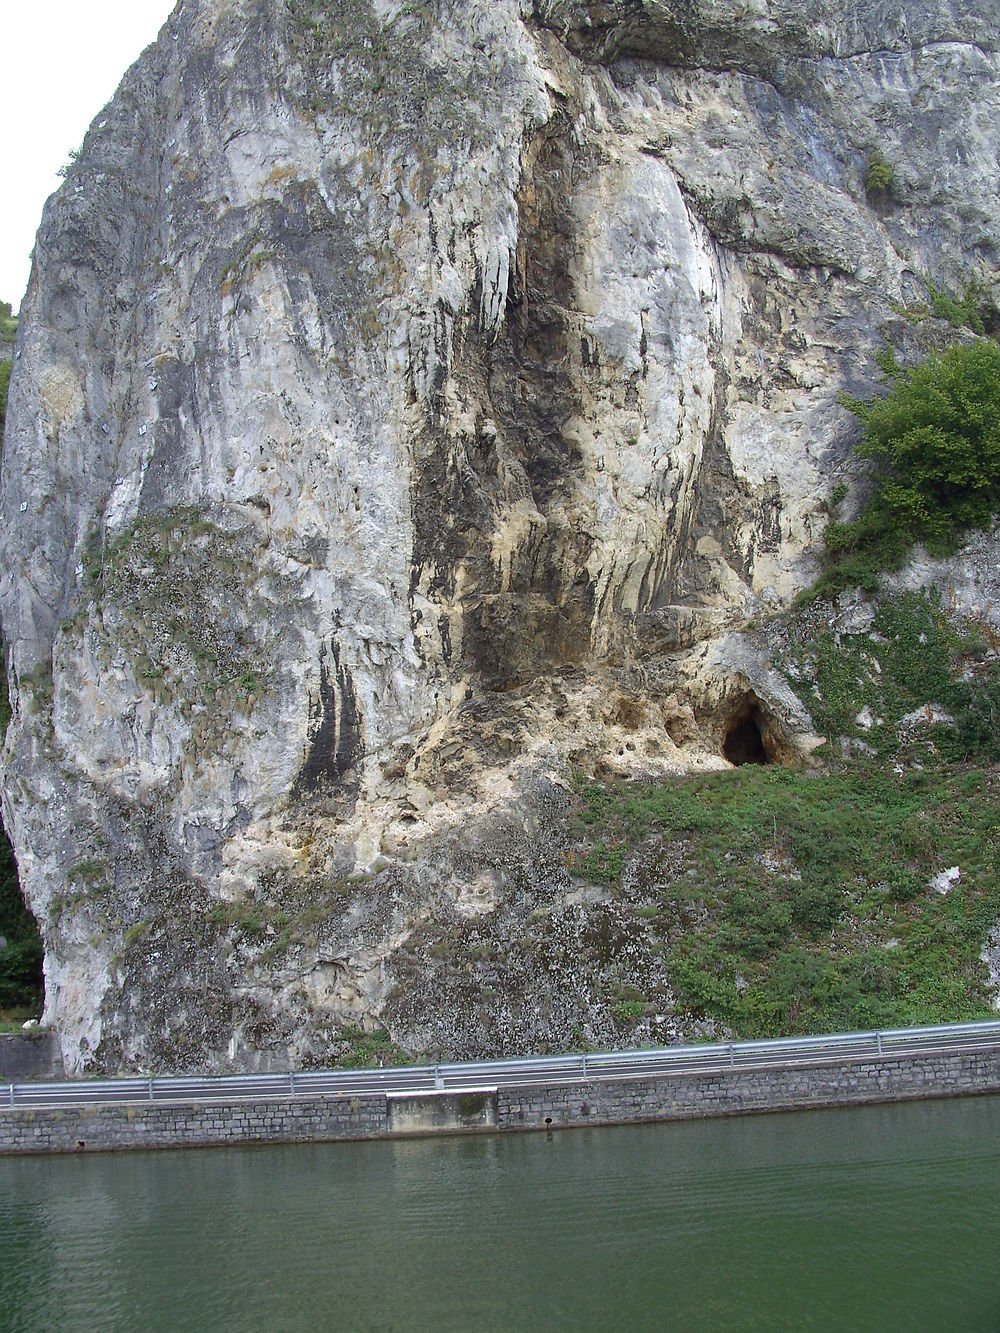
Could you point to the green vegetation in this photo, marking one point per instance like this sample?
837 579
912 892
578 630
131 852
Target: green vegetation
971 310
879 177
135 933
287 918
917 655
88 870
169 573
817 912
788 902
21 960
21 985
8 323
370 1050
67 166
934 440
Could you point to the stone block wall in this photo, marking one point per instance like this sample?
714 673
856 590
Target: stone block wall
559 1105
739 1091
206 1124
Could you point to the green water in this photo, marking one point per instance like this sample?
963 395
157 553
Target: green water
878 1218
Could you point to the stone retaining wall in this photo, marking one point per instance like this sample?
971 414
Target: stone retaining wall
30 1055
618 1101
740 1091
168 1125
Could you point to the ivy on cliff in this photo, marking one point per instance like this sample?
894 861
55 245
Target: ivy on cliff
934 440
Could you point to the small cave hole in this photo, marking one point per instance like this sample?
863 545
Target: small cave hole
744 737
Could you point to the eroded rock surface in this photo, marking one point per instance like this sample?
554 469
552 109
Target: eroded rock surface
417 401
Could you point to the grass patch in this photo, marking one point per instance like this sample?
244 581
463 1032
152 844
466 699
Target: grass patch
14 1018
820 915
135 933
915 656
370 1050
813 904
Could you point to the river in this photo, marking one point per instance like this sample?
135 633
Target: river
881 1218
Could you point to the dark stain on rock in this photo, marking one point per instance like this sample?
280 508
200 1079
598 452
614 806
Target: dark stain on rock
532 612
335 743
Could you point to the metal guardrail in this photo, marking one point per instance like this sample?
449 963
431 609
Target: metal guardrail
718 1057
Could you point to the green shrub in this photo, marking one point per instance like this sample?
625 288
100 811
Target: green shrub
880 177
934 439
21 973
8 323
21 961
370 1050
961 312
628 1011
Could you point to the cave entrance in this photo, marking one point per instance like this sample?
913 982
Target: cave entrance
743 742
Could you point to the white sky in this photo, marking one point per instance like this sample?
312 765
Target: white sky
62 61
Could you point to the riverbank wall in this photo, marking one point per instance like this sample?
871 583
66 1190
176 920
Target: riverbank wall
532 1105
30 1055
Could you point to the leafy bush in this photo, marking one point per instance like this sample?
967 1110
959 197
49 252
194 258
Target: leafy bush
21 974
934 438
962 312
880 177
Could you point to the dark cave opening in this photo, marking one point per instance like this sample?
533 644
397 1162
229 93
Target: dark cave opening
744 740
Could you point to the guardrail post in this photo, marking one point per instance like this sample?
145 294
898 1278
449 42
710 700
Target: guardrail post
12 1094
732 1057
584 1059
291 1083
149 1087
878 1042
438 1080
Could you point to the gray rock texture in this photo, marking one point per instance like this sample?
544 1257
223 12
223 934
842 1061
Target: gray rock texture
417 400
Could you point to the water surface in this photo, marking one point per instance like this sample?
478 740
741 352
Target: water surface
870 1218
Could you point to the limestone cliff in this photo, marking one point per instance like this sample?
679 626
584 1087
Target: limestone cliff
416 402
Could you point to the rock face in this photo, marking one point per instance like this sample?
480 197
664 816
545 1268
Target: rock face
416 403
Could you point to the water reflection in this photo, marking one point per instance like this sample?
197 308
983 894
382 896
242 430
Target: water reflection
884 1217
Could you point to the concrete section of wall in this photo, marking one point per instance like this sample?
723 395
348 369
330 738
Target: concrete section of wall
442 1112
537 1106
29 1055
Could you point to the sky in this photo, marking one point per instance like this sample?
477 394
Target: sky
62 61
